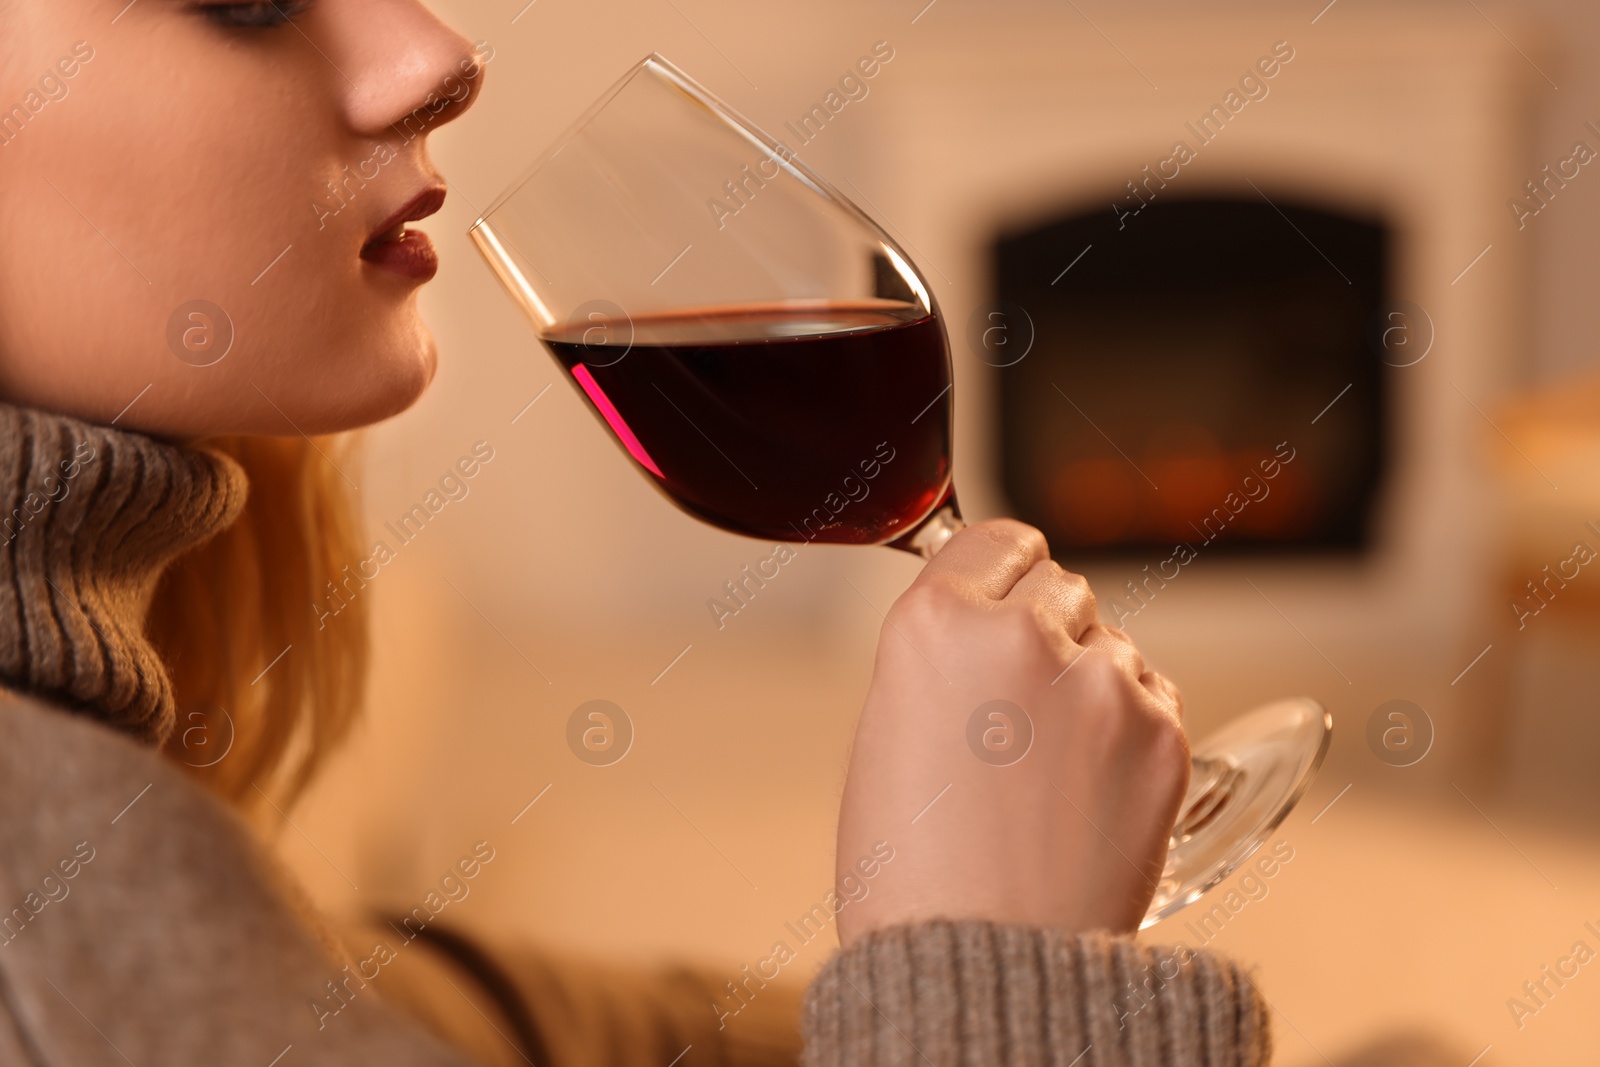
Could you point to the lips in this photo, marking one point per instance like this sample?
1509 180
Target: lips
406 252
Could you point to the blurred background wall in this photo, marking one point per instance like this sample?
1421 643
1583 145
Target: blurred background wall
1421 897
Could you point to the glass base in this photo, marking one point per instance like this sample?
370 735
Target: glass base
1246 779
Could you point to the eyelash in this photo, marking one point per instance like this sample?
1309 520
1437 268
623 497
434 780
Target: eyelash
255 14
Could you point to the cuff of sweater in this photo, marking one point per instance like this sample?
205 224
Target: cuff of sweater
971 992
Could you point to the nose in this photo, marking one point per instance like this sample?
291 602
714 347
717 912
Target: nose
400 66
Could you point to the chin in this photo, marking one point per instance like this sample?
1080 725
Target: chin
383 396
378 386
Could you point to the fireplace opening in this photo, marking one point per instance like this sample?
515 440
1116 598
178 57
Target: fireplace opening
1205 372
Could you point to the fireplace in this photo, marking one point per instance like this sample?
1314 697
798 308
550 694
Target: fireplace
1206 371
1221 309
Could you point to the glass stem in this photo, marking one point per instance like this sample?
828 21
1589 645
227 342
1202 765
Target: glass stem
1211 783
936 529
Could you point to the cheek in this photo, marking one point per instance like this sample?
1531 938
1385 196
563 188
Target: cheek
157 184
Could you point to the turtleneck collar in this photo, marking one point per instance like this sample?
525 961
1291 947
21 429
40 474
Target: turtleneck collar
89 517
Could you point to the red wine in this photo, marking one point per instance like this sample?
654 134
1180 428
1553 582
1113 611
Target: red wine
823 422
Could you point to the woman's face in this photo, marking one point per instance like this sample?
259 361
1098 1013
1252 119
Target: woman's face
201 208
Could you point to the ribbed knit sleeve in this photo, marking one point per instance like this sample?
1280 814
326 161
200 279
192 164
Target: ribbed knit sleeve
975 993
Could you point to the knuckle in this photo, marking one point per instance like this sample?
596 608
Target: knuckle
1013 533
1098 682
1123 718
1029 626
1161 684
1045 617
1075 583
1119 634
1169 749
925 606
1109 640
1049 569
1098 668
1075 588
1116 641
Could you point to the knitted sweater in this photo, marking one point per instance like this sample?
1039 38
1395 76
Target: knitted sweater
140 920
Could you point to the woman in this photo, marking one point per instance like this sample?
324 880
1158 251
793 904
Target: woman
208 265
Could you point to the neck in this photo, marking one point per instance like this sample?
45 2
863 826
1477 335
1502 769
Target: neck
90 516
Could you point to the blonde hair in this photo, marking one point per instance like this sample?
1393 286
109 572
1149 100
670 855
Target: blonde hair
264 691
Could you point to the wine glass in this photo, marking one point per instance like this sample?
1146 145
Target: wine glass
774 363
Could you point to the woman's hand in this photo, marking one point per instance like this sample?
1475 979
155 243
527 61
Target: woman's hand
1053 808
